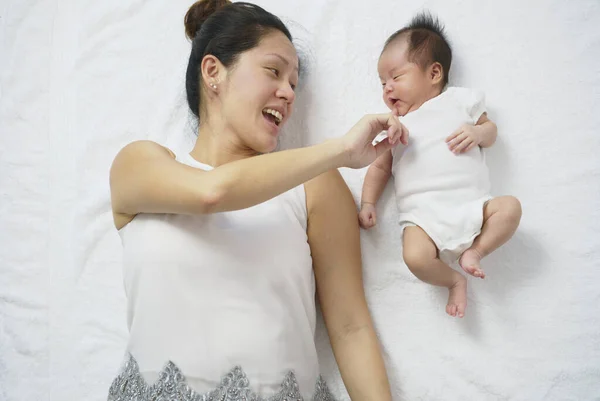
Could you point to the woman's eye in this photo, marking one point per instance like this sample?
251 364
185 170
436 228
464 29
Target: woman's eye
274 71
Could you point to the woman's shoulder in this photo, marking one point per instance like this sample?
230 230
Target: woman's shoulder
326 189
144 147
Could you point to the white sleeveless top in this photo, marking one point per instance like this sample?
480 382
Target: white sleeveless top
222 298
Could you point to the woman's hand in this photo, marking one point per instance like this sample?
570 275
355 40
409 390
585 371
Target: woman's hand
358 145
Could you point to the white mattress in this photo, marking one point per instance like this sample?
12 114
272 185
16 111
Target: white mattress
78 81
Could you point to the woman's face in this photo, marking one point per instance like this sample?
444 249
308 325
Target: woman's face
257 96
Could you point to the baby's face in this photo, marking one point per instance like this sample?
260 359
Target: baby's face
406 86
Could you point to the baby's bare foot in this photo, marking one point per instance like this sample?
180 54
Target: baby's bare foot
469 261
457 298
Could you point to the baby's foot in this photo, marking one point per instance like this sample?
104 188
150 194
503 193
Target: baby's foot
457 298
469 261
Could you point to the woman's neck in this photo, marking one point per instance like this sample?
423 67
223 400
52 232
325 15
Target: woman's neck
218 145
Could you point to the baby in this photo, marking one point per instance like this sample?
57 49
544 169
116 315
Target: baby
441 179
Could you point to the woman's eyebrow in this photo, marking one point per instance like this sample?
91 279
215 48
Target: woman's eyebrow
282 59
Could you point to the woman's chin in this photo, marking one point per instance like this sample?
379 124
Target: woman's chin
271 147
268 144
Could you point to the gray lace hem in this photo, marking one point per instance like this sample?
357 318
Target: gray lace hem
172 386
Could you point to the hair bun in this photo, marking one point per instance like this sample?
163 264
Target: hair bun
198 13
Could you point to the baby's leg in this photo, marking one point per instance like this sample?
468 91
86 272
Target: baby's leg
420 255
501 217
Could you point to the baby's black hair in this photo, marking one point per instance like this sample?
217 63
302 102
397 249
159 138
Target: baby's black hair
427 42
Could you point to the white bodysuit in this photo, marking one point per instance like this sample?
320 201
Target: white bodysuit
439 191
221 306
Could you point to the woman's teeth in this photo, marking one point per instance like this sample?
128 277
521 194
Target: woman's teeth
274 113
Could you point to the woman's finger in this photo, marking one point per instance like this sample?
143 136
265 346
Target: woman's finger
383 146
395 121
392 133
404 135
378 123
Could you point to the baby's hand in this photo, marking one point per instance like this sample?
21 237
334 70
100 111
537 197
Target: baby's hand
367 216
464 139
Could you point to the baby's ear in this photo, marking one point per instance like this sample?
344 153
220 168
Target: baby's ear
436 73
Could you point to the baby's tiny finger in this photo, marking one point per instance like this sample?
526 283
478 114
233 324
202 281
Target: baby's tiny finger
456 141
463 145
471 146
454 146
454 135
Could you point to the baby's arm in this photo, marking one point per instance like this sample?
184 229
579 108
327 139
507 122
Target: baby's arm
487 131
482 134
377 177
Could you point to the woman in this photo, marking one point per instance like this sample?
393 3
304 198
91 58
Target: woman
223 246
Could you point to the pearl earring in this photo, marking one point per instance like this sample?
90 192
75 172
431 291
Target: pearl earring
214 86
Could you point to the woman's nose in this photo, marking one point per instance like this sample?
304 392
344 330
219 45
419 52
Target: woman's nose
286 92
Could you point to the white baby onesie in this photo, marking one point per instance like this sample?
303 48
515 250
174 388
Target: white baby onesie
439 191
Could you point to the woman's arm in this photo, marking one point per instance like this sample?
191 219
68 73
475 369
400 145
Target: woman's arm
335 246
145 178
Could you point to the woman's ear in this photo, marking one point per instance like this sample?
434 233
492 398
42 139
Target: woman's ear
212 71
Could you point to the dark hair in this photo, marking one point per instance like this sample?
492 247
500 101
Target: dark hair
225 30
427 42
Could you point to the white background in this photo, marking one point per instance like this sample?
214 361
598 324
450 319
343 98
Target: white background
78 80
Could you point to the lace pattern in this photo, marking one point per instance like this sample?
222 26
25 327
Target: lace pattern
172 386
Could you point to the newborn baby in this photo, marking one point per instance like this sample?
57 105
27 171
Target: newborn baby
441 180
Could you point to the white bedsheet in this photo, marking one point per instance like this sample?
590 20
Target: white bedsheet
78 81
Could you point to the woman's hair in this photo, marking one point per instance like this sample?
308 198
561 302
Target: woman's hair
224 30
427 42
